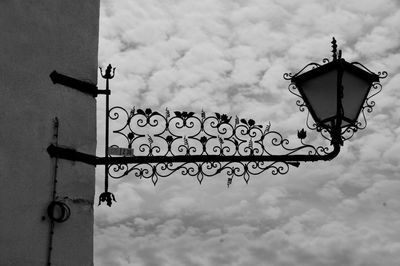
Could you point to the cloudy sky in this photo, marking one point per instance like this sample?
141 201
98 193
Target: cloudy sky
229 56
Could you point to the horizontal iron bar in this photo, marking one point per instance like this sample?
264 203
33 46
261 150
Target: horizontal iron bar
291 159
82 86
71 154
106 92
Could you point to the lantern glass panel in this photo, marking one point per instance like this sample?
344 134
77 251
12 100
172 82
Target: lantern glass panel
355 91
320 93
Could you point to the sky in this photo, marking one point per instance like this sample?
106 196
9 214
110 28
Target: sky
229 56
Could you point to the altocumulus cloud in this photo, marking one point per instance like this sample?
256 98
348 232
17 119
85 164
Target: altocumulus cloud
229 56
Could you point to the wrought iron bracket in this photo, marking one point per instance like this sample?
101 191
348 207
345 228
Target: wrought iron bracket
82 86
155 145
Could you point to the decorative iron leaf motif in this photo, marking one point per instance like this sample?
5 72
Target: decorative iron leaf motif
301 134
229 181
183 115
186 142
200 175
140 111
169 139
203 115
251 123
107 197
267 127
222 119
246 176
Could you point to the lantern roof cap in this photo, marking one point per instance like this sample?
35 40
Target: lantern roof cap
335 65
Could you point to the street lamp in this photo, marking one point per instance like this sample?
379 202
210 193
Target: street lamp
336 93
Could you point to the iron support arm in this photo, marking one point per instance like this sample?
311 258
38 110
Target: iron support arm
82 86
71 154
292 159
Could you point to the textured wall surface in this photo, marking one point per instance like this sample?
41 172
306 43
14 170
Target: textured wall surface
38 37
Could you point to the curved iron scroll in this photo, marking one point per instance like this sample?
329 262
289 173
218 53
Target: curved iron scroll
203 145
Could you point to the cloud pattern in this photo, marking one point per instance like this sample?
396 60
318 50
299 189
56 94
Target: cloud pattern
229 56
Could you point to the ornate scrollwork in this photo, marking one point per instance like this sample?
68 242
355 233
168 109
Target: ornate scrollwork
368 106
310 123
300 101
380 74
147 133
310 66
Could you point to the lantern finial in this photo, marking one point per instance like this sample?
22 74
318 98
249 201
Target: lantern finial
334 48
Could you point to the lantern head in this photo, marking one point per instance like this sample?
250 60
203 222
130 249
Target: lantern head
322 87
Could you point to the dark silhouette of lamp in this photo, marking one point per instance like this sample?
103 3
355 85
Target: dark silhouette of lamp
322 88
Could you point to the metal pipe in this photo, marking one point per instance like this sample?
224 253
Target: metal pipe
70 154
218 158
106 134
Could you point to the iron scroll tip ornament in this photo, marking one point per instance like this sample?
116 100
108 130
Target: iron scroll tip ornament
334 48
107 197
109 72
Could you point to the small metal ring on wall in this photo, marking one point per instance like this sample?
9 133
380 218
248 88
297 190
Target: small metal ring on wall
58 211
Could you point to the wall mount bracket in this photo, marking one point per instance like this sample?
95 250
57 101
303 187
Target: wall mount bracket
82 86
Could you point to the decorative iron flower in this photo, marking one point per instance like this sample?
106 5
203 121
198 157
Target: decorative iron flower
107 197
301 134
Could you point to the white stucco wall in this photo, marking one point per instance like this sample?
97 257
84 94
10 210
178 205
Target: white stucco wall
37 37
